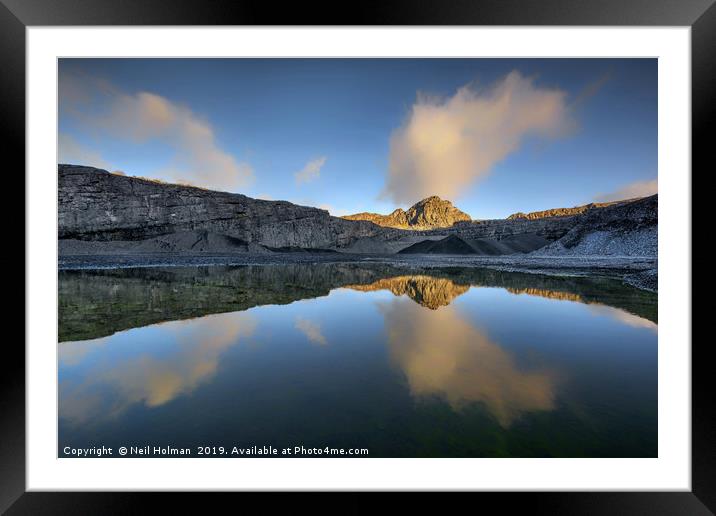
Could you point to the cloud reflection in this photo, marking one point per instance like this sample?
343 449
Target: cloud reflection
311 330
442 354
152 379
622 316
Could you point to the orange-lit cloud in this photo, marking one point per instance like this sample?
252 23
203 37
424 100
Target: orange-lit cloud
445 145
630 191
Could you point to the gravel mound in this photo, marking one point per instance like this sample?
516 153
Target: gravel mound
448 245
640 242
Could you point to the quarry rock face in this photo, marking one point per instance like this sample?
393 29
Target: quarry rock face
430 213
95 205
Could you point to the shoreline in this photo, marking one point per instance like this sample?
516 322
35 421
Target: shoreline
636 271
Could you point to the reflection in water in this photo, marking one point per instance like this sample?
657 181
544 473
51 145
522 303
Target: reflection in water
594 307
427 291
311 330
97 303
443 354
624 317
549 294
445 368
152 379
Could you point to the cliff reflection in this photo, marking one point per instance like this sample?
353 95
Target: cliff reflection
98 303
155 374
427 291
548 294
442 354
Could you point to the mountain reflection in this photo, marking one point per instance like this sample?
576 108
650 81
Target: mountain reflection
427 291
151 376
98 303
442 354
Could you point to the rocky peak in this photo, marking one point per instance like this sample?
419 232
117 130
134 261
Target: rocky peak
435 212
430 213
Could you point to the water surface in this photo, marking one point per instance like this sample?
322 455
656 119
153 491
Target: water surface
400 361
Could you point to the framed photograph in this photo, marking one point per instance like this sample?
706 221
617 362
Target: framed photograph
415 250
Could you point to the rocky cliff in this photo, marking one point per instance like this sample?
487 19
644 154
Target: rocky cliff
624 229
430 213
95 205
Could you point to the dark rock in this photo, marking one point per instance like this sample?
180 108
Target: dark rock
95 205
449 245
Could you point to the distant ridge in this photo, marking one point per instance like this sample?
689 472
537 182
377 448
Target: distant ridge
565 212
430 213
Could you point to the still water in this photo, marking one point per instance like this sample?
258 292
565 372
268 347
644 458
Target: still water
401 362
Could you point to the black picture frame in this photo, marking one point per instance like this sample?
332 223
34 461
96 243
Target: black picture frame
16 15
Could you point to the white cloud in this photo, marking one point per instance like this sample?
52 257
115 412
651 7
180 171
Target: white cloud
311 171
311 330
144 117
447 144
631 191
73 152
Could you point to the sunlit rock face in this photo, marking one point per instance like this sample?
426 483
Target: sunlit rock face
430 213
564 212
427 291
442 354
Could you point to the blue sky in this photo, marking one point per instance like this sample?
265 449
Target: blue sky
494 136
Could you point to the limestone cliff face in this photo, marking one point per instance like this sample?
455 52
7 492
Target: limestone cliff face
430 213
95 205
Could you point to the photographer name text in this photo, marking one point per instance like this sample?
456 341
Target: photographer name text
211 451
